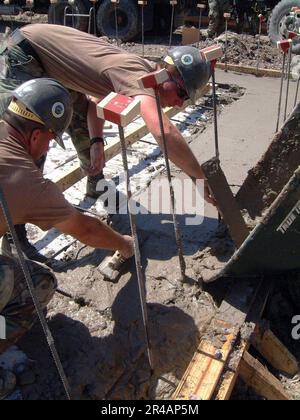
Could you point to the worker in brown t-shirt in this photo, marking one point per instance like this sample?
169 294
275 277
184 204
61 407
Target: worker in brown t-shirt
40 110
91 68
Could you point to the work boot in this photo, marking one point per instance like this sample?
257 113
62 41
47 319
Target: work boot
91 186
91 191
8 383
29 250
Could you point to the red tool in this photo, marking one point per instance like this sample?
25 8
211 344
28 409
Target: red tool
153 80
118 109
212 53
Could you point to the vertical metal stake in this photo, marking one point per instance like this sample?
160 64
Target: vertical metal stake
297 91
36 302
95 23
199 27
288 82
280 93
216 123
143 31
138 264
172 195
171 28
258 47
116 22
226 45
215 114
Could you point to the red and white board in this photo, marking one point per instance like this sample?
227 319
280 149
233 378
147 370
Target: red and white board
118 109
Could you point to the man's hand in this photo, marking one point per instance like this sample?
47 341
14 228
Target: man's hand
97 159
128 250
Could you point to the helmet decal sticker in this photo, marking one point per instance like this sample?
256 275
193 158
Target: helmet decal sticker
58 110
187 59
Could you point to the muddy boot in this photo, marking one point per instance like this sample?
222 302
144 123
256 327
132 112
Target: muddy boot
91 186
8 383
29 250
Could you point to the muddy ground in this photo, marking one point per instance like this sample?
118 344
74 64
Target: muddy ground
97 325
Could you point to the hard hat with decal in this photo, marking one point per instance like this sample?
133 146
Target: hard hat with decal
45 101
194 70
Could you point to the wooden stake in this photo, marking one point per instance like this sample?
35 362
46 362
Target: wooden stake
254 374
274 351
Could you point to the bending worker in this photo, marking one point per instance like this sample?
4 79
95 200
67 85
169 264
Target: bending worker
39 111
92 68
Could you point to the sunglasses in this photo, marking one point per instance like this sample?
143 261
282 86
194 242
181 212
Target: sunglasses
181 92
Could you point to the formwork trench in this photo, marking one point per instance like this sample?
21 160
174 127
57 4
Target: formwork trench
97 325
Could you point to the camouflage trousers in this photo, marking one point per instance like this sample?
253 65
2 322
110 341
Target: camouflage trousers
18 68
217 8
17 310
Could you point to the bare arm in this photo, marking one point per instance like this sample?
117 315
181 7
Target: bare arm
92 232
178 150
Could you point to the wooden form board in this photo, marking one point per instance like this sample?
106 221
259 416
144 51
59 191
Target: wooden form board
267 344
237 68
213 371
74 175
249 70
204 372
261 380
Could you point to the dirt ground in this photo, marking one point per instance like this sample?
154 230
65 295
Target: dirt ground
241 49
97 325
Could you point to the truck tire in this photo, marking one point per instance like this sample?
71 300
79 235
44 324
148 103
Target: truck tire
56 14
280 23
128 19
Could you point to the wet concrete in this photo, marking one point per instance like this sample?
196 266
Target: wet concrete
100 337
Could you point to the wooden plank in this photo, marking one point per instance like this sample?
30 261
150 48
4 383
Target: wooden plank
74 175
249 70
226 202
255 375
205 369
230 376
237 68
272 349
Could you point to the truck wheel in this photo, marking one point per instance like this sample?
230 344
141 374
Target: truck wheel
127 12
56 14
282 21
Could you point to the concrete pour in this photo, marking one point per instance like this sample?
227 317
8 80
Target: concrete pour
99 332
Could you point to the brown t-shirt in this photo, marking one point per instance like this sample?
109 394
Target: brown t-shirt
30 197
85 63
